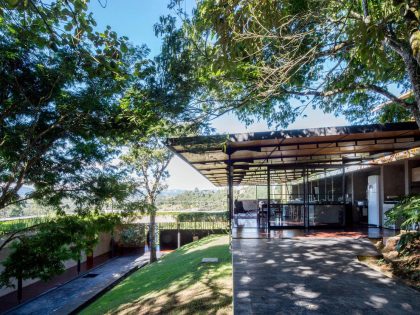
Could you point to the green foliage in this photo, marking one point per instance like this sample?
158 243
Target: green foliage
60 85
132 235
16 212
71 97
394 113
272 59
11 226
207 200
406 212
203 216
196 225
147 163
42 252
409 243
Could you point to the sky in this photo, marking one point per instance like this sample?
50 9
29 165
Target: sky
135 19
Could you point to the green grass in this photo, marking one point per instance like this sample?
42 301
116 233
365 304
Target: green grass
177 284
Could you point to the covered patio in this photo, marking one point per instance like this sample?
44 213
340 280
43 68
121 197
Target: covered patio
319 194
311 178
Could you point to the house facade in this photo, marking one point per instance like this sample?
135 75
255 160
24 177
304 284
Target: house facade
314 178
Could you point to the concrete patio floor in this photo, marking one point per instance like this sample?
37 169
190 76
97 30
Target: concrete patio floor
314 276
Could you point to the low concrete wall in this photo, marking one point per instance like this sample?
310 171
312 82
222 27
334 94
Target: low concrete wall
101 248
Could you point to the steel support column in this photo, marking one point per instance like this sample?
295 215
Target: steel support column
268 198
343 187
407 178
305 199
230 192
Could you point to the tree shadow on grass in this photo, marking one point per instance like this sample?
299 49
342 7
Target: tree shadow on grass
182 284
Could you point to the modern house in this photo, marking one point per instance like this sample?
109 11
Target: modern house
315 178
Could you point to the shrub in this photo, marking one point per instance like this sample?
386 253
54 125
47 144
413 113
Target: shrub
409 243
132 235
203 216
42 252
407 211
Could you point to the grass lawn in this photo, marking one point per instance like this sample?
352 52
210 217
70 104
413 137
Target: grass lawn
177 284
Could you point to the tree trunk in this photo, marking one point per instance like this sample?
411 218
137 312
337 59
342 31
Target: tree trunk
89 259
19 290
415 83
112 244
416 113
152 233
79 266
413 71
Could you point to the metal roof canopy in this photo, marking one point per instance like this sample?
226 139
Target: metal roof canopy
291 151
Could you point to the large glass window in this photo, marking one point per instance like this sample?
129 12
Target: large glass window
302 198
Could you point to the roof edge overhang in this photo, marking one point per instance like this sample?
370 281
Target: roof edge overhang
292 133
236 145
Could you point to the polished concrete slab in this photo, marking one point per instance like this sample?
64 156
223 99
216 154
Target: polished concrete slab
248 226
314 276
354 232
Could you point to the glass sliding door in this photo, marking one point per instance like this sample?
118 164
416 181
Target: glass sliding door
287 208
297 200
326 215
287 215
327 201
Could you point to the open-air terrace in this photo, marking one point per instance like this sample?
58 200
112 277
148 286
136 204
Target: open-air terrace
209 157
325 193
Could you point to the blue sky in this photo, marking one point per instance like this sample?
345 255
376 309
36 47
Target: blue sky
135 19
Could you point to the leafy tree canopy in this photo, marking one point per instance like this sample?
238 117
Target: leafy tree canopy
70 97
147 163
258 57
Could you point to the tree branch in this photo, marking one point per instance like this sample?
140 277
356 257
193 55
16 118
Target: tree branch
330 93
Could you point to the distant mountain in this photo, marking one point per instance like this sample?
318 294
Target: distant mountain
176 192
172 192
166 193
193 200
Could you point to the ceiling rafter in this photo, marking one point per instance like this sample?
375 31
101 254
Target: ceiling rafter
289 150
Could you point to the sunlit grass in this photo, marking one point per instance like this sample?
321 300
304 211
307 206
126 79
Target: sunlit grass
178 284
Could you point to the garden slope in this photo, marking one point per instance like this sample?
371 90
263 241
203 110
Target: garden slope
178 284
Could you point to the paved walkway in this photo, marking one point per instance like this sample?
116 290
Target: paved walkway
314 276
70 296
33 290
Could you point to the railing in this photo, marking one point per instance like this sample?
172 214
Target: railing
199 225
186 221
